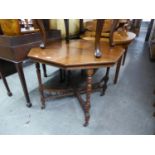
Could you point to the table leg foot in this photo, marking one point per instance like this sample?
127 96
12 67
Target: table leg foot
43 103
9 93
103 91
19 68
43 107
87 117
29 105
85 124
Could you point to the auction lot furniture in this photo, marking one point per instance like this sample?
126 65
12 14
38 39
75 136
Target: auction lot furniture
74 55
119 38
14 50
115 33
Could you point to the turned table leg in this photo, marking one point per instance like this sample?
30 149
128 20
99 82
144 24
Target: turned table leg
88 93
44 70
117 70
6 84
42 98
19 68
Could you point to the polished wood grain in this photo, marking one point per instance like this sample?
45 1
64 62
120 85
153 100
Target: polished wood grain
78 53
119 37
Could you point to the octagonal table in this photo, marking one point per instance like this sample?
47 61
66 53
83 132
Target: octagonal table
77 54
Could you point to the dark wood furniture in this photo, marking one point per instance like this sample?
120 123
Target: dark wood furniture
5 67
113 35
119 38
73 55
14 49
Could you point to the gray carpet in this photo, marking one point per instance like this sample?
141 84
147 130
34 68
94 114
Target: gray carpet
126 107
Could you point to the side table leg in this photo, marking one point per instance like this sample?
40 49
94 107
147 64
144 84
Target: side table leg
88 93
105 79
44 70
40 86
19 68
6 84
117 70
124 56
